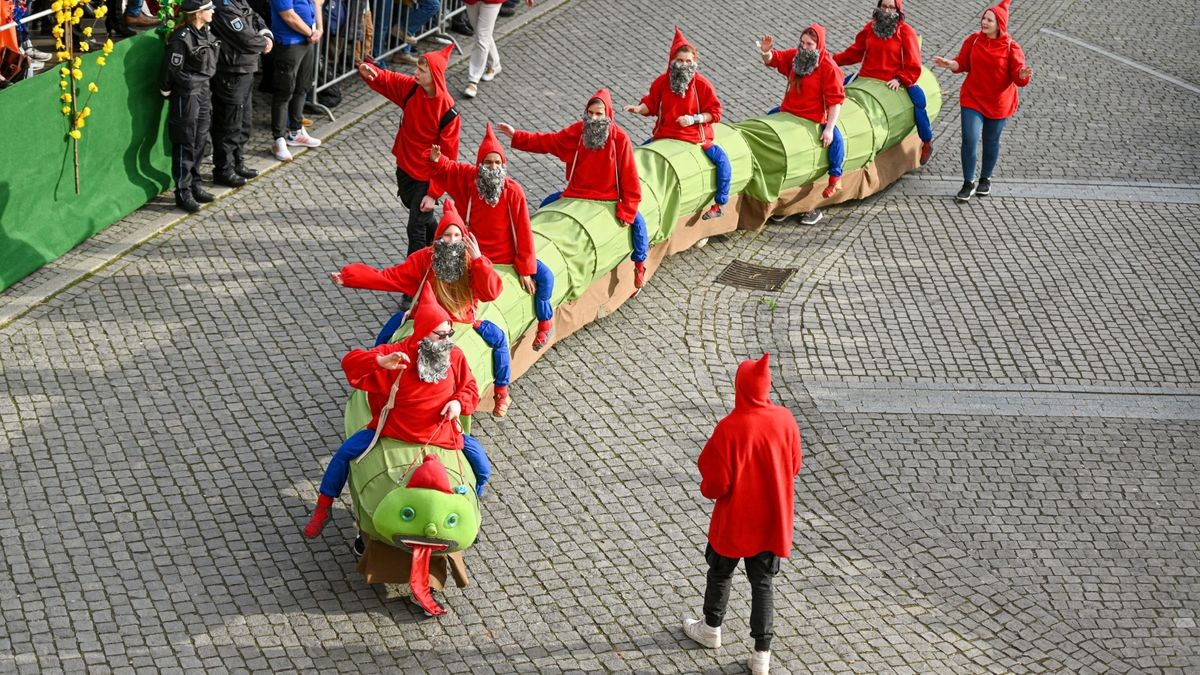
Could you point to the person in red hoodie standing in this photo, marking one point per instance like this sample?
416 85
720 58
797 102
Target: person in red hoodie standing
686 106
417 389
815 92
748 466
995 67
498 216
460 276
430 118
889 51
599 163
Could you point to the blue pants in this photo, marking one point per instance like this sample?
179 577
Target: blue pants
638 232
339 467
724 171
418 15
495 338
837 151
544 279
917 96
974 125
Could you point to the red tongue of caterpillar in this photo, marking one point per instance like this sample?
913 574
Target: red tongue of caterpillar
418 577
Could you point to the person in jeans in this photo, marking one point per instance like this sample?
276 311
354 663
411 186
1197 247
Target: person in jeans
484 64
297 27
995 67
419 14
748 466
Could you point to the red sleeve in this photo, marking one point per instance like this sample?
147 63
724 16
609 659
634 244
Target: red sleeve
363 372
402 278
468 390
448 140
855 52
797 453
653 98
910 63
832 88
452 177
964 53
630 196
394 86
781 60
546 143
709 103
485 283
1016 61
716 476
526 261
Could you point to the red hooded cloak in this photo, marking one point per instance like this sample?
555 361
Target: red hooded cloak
810 96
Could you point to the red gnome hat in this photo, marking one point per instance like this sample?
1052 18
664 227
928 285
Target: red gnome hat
449 217
428 314
679 43
431 475
437 68
752 384
489 145
1001 12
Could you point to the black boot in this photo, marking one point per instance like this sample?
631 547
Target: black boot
245 171
462 25
202 196
185 201
230 178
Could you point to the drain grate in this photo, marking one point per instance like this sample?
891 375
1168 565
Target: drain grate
755 277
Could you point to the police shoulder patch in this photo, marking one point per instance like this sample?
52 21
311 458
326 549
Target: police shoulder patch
237 24
177 60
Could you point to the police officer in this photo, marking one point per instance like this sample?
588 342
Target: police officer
244 35
189 63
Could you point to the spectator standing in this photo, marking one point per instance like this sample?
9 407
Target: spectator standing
297 28
189 63
995 67
419 14
484 63
748 466
244 36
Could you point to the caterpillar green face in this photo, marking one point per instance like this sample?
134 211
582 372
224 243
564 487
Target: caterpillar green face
445 522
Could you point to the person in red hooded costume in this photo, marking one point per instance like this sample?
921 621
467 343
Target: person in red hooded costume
995 67
432 386
430 118
599 163
460 276
686 106
498 216
815 92
748 466
889 51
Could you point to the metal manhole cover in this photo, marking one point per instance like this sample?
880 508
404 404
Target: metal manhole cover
755 277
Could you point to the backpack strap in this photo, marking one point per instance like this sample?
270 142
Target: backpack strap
447 117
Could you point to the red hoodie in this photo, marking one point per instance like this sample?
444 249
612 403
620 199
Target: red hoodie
503 231
883 59
667 106
748 466
422 114
810 96
412 275
992 66
416 416
604 174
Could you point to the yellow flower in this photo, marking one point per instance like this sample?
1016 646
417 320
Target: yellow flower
57 32
101 61
77 15
87 32
56 6
83 46
101 11
77 62
108 46
79 122
64 71
66 110
86 112
75 133
65 98
92 87
77 74
62 84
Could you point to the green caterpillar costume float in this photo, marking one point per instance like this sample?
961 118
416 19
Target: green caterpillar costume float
775 160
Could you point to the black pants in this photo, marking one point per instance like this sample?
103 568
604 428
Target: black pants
761 571
293 75
188 121
421 224
232 98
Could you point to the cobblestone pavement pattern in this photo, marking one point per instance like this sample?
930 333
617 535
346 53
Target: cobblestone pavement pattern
999 401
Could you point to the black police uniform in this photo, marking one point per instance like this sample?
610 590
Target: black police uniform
244 35
189 64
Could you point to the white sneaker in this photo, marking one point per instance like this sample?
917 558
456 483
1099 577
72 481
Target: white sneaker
702 633
280 150
778 219
301 138
471 91
490 74
760 663
812 217
37 54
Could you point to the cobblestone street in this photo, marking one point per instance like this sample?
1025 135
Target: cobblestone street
999 400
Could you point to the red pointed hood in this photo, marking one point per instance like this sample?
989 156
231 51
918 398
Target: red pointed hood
899 7
1001 12
679 43
428 314
431 475
818 30
450 217
489 145
605 98
752 384
438 61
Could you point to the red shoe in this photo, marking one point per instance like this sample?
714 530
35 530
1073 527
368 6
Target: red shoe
320 516
714 212
639 275
832 187
926 151
502 401
544 331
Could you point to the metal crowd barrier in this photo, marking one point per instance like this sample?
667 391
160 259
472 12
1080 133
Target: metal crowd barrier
355 29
